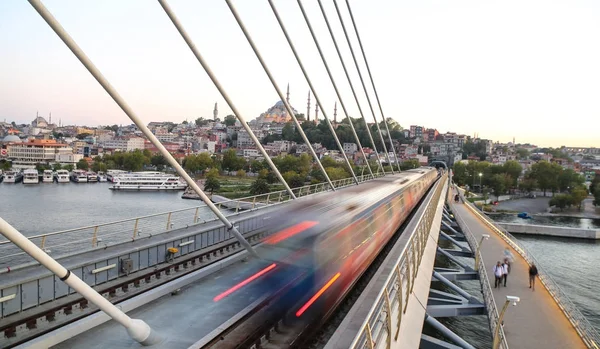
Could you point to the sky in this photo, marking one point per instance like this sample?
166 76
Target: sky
522 69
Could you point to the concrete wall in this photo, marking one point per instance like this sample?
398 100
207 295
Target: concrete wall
568 232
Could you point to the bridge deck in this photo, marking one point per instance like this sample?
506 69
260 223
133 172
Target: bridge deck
536 321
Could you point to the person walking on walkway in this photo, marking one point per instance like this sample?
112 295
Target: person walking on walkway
498 273
505 270
533 272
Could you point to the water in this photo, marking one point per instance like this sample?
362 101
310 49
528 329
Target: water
48 207
573 222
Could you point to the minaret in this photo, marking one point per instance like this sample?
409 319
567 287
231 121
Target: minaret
308 107
215 113
317 113
287 96
335 113
50 118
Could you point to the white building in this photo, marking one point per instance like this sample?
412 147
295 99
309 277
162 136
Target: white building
124 143
36 151
68 159
166 137
350 148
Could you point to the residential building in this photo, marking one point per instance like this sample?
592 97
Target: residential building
35 151
124 143
350 148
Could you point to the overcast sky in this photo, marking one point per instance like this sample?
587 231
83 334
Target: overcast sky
503 69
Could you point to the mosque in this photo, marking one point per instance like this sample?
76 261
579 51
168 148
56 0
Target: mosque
277 113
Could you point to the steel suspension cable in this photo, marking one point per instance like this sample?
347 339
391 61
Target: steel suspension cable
339 53
89 65
372 83
335 86
363 83
219 87
284 100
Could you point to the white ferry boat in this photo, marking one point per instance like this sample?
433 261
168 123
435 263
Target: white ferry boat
102 176
31 176
147 180
92 177
62 176
48 176
79 176
13 176
110 174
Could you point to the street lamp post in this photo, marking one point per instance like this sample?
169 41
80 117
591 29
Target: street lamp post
501 317
480 188
483 237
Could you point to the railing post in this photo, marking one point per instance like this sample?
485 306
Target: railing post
389 318
43 244
237 206
370 337
408 283
196 215
399 295
254 202
95 237
280 194
135 228
168 221
268 197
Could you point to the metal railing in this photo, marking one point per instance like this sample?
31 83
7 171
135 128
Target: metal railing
586 331
111 233
486 288
381 325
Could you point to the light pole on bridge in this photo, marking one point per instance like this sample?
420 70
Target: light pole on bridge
483 237
509 299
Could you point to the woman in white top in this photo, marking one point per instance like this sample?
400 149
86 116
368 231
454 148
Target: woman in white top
498 273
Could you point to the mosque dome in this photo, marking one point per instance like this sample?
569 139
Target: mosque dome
11 138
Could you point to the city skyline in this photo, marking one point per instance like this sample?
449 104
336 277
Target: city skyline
507 71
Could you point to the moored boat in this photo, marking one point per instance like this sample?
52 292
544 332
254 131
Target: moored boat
62 176
79 176
31 176
12 176
48 176
148 180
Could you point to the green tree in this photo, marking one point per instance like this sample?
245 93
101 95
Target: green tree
459 173
213 172
212 183
409 164
69 167
259 186
158 161
134 161
288 132
514 170
42 167
230 161
201 122
98 166
544 175
595 184
527 185
241 173
522 153
198 162
561 201
498 184
56 167
597 195
336 173
578 195
82 164
569 179
230 120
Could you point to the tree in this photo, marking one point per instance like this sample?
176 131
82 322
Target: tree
336 173
259 186
459 173
409 164
69 167
527 185
56 167
197 163
230 120
578 195
597 195
544 175
134 161
184 122
158 161
569 179
230 161
82 164
498 184
201 122
241 173
522 153
594 185
212 183
561 201
514 170
82 136
98 166
41 167
5 165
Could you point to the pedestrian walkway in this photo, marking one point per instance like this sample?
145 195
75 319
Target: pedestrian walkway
536 321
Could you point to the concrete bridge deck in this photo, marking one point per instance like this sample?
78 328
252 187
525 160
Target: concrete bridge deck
536 321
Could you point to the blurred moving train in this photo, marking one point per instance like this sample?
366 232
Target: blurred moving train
324 243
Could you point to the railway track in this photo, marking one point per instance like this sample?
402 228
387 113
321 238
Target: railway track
74 307
263 326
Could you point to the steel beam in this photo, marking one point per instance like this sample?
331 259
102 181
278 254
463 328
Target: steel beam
459 275
447 333
455 288
459 253
428 342
452 310
454 259
455 242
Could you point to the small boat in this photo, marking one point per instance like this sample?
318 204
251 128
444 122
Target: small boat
62 176
524 215
48 176
102 176
31 176
79 176
92 177
13 176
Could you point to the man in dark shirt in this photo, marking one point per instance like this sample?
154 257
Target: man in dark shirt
532 274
